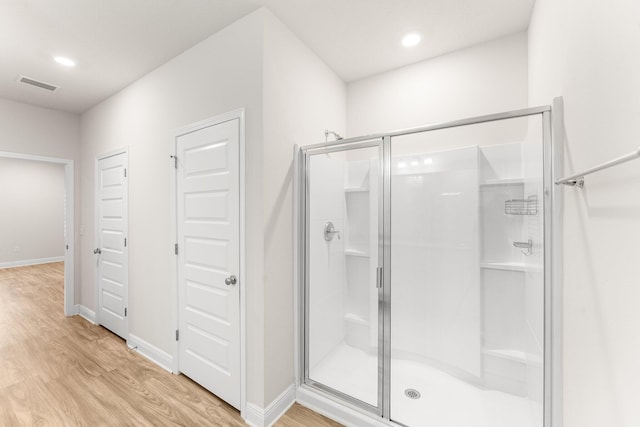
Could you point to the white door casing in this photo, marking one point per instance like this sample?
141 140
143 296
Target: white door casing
208 257
111 243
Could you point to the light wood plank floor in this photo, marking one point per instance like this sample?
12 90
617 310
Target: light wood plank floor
59 371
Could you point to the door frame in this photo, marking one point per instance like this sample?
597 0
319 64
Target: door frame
70 308
304 219
96 228
173 229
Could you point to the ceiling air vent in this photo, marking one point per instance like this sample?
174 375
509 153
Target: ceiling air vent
37 83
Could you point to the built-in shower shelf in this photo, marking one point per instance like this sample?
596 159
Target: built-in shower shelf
355 318
510 266
506 353
356 189
502 181
354 252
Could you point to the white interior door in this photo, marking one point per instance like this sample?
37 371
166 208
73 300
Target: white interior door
111 251
208 258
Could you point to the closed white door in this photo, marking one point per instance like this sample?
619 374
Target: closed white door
208 258
111 251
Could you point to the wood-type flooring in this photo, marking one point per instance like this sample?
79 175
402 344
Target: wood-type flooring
65 371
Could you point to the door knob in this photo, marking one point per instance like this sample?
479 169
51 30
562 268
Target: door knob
97 251
231 280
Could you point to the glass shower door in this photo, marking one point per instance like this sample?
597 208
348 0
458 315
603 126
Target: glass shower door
467 282
341 264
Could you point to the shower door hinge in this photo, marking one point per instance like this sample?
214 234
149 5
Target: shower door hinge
177 335
176 248
125 312
125 242
379 277
125 172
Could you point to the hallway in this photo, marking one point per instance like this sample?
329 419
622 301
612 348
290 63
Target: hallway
66 371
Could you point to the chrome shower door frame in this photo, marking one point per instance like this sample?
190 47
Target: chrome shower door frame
552 140
305 155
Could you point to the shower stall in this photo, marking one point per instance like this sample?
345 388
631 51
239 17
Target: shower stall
426 276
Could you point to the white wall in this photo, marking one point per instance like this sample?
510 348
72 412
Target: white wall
302 97
588 52
222 73
290 96
27 129
32 213
483 79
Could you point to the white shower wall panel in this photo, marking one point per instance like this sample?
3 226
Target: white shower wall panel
326 290
326 293
435 257
326 178
503 161
357 216
503 310
513 296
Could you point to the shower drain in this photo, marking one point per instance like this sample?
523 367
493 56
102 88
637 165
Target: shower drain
412 393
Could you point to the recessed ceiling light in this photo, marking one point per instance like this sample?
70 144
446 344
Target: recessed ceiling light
65 61
411 39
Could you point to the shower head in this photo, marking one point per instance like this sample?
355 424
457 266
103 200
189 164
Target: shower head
335 135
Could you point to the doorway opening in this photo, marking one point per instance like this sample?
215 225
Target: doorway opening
69 223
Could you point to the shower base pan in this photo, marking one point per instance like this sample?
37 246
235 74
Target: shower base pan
444 400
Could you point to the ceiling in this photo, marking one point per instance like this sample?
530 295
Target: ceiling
115 42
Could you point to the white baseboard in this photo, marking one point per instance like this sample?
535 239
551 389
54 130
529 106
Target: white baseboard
151 352
26 262
85 313
259 417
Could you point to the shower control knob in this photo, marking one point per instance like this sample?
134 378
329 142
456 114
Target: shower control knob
330 231
231 280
